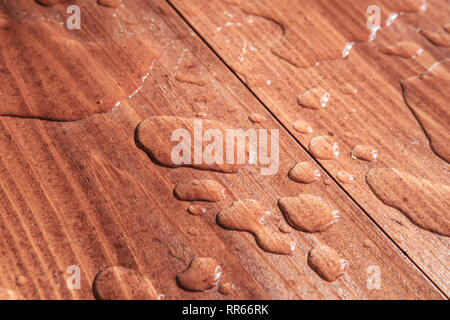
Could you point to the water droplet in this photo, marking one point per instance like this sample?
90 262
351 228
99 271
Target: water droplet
189 145
347 48
256 118
244 215
119 283
348 89
226 288
308 213
431 110
447 27
314 98
345 177
304 172
324 147
438 38
196 210
199 190
201 275
425 203
364 152
110 3
327 263
284 228
404 49
302 126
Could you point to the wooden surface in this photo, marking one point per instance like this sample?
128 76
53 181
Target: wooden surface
77 188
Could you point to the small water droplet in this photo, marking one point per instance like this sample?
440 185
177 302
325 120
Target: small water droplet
364 152
302 126
190 79
21 281
119 283
304 172
308 213
324 147
199 190
345 177
438 38
256 118
196 210
314 98
404 49
109 3
327 263
201 275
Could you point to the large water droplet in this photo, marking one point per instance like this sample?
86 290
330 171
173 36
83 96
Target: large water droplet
304 172
119 283
308 213
199 190
425 203
324 147
245 215
327 263
202 274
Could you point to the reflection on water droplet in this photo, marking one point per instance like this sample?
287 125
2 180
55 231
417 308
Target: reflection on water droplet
364 152
119 283
391 18
308 213
327 263
302 126
199 190
314 98
304 172
244 215
201 275
345 177
324 147
425 203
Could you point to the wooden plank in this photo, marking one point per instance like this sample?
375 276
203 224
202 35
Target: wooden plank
83 193
281 50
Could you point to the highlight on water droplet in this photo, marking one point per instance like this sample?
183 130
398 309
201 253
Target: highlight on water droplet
308 213
199 190
302 126
327 263
244 215
391 18
304 172
364 152
202 274
345 177
324 147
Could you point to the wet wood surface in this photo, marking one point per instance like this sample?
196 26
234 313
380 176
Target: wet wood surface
79 188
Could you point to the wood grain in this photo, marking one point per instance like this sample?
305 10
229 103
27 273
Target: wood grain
83 193
252 35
